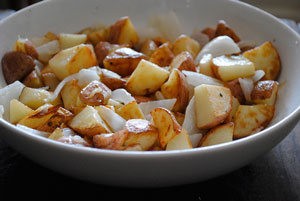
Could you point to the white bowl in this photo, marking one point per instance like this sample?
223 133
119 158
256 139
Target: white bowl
161 168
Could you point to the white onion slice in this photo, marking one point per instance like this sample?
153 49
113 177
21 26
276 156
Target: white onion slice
258 75
46 51
86 76
247 86
147 107
194 79
219 46
195 139
122 96
115 121
189 122
33 131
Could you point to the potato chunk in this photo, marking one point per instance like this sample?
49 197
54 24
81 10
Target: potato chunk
186 43
163 55
146 79
266 58
250 119
265 92
123 61
213 105
220 134
18 111
229 68
72 60
183 61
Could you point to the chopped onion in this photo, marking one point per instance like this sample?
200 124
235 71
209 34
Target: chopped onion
33 131
46 51
189 122
219 46
258 75
195 139
194 79
147 107
247 86
115 121
86 76
122 96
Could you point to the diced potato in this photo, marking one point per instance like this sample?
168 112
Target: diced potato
235 106
123 61
167 125
250 119
180 141
123 32
229 68
183 61
176 87
113 141
218 135
163 55
186 43
33 80
148 47
72 60
146 79
18 111
140 132
265 92
70 95
131 111
46 119
224 30
67 40
213 105
205 65
24 45
266 58
88 122
35 98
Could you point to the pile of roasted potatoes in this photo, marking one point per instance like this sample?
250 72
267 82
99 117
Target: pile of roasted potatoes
104 87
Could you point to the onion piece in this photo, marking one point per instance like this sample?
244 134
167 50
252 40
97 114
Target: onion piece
115 121
147 107
195 139
189 122
247 86
219 46
258 75
122 96
33 131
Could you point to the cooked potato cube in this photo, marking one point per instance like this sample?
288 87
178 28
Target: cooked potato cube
266 58
95 93
72 60
35 98
180 141
229 68
18 111
224 30
33 80
167 125
131 111
148 47
163 55
213 105
250 119
70 95
123 32
88 122
183 61
186 43
123 61
265 92
113 141
176 87
205 65
218 135
146 79
70 40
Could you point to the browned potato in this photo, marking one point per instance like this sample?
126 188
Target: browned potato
95 93
148 47
186 43
176 87
16 66
224 30
163 55
123 61
33 80
236 90
113 141
265 92
123 32
183 61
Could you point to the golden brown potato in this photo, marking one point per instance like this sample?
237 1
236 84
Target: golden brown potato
176 87
112 141
131 111
183 61
265 92
224 30
95 93
123 61
33 80
123 32
163 55
266 58
148 47
186 43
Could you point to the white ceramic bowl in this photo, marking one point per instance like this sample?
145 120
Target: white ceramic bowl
162 168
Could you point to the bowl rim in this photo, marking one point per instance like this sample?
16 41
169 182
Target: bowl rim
294 115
